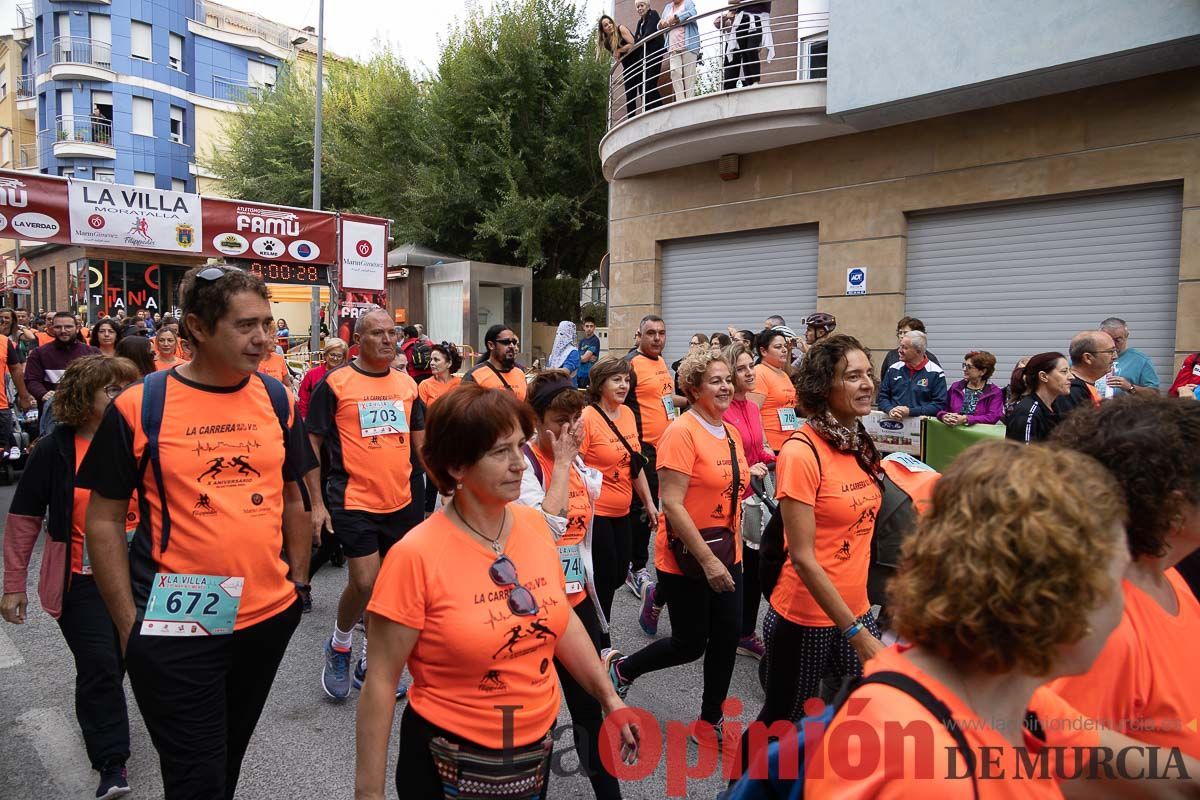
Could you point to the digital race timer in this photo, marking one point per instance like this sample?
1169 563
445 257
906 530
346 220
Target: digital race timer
288 272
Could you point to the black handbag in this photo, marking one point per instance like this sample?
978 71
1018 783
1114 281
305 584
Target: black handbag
722 541
637 461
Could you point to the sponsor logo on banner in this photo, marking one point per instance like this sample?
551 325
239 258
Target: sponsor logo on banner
106 214
3 222
267 247
35 226
304 250
266 220
364 254
231 244
13 193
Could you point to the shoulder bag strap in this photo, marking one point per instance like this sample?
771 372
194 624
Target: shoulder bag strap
620 436
498 373
736 497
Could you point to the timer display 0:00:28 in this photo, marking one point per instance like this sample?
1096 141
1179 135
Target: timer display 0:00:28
290 273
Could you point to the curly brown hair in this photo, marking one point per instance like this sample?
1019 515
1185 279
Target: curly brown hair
1153 444
605 368
694 367
1013 551
85 376
817 372
983 361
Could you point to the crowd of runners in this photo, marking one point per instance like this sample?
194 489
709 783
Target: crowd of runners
487 523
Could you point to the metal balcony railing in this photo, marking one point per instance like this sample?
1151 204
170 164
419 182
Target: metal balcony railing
25 87
232 90
731 53
25 16
27 156
80 128
228 19
81 50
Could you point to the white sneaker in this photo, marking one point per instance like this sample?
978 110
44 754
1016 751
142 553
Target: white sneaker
14 453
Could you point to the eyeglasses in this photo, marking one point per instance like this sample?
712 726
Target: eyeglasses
1112 351
521 601
112 390
508 342
969 366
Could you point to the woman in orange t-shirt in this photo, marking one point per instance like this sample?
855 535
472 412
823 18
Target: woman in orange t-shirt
165 343
604 420
473 600
775 385
557 482
1143 684
444 361
1012 579
68 592
701 472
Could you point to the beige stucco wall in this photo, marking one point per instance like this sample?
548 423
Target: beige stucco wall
858 188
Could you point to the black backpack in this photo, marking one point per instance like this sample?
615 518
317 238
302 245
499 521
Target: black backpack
896 519
420 354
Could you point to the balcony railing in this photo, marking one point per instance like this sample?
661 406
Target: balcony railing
79 128
80 50
232 90
25 87
27 156
25 16
228 19
732 54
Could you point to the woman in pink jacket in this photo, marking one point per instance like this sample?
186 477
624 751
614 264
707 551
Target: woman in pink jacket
973 400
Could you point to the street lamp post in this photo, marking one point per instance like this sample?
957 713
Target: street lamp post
314 336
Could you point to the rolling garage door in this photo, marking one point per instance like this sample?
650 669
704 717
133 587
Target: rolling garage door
737 279
1023 279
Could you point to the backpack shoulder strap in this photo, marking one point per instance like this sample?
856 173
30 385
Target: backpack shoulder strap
154 400
533 462
915 690
279 401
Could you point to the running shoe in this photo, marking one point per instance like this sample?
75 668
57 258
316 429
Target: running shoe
305 599
648 619
113 783
611 666
360 677
636 582
751 646
14 454
631 583
717 728
335 677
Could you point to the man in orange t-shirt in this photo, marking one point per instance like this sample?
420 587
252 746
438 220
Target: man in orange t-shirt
500 370
654 404
368 420
203 600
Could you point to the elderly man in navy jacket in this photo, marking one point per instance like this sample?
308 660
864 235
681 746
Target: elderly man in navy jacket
914 386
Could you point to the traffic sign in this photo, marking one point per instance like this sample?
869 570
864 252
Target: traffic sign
23 268
22 279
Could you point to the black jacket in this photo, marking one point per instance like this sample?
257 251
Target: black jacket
47 485
1080 396
648 26
1031 420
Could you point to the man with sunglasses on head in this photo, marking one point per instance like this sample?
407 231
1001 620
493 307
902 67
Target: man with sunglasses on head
1093 354
203 602
500 370
47 363
368 420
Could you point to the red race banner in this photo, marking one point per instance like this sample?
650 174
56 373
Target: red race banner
34 207
252 230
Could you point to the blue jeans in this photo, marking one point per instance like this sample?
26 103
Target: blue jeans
46 421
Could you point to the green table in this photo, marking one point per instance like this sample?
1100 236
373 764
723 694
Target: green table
943 443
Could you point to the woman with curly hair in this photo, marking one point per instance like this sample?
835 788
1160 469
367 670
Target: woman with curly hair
68 593
827 480
973 400
1013 578
698 550
1143 680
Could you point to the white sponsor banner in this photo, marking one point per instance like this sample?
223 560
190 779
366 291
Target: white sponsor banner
112 215
894 435
364 255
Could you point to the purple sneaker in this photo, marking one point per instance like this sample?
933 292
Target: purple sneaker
751 646
648 619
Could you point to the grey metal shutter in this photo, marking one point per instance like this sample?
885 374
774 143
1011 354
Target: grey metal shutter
1021 279
738 279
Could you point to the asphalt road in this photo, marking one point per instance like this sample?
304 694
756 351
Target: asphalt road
304 745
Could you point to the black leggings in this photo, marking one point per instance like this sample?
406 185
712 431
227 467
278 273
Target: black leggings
611 545
703 623
586 717
642 532
416 772
751 591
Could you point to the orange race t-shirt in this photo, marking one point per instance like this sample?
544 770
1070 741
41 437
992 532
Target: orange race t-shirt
160 365
430 389
1142 683
924 768
9 355
224 464
43 338
579 517
275 366
779 404
367 420
473 655
79 514
651 396
845 502
487 376
603 451
688 447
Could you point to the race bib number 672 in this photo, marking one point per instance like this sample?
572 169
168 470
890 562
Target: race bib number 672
192 605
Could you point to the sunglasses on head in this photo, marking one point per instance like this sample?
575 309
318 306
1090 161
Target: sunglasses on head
213 273
521 601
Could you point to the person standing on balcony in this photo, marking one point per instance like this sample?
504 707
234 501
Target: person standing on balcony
745 30
651 53
619 43
683 46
